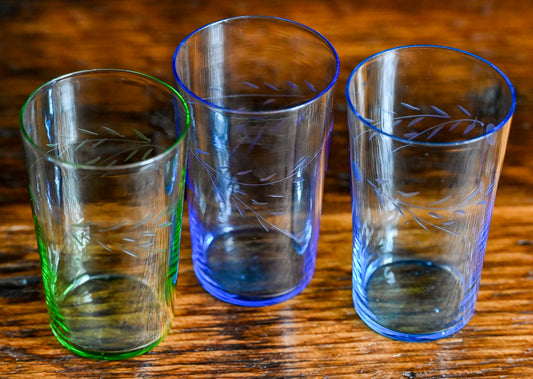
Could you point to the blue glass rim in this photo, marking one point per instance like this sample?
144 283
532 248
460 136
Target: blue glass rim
257 17
503 122
172 91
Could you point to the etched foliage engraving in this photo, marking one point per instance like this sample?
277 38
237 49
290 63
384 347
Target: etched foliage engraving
139 234
258 166
410 198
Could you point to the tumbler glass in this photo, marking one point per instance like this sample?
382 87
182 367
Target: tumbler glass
261 91
428 131
106 157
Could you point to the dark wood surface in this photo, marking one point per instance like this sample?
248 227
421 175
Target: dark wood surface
317 333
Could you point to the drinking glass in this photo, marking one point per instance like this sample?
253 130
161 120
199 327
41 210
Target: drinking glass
260 90
428 131
106 156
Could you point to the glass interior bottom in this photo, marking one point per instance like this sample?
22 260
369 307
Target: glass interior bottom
109 317
414 300
254 267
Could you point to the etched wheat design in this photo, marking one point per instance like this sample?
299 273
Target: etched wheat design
399 199
140 147
230 188
469 123
133 237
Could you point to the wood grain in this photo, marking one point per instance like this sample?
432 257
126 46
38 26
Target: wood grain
318 333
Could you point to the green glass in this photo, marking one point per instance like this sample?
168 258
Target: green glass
106 156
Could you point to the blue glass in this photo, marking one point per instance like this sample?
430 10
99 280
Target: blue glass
261 93
428 131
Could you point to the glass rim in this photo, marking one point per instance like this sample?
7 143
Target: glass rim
172 91
482 136
209 104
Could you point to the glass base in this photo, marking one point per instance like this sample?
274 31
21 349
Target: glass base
109 317
108 356
254 267
414 300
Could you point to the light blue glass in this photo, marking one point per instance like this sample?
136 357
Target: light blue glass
428 131
261 91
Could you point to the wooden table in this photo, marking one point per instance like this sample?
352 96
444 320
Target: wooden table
317 333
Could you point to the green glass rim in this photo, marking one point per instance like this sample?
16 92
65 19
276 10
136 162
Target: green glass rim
172 91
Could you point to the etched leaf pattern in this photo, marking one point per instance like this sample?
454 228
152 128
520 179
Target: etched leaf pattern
240 199
135 148
428 133
231 187
438 214
106 147
135 240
